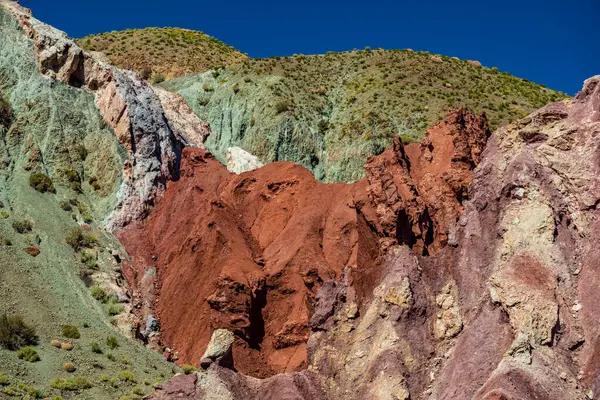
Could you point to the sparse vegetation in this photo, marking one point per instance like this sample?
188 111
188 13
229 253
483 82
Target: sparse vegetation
99 294
156 77
15 333
77 239
115 309
112 342
96 347
334 110
28 353
169 52
41 182
71 384
22 226
188 369
127 376
71 332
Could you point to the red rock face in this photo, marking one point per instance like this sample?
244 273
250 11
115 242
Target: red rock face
248 252
506 304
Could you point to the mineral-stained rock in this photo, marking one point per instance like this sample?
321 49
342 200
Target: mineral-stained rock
248 252
508 311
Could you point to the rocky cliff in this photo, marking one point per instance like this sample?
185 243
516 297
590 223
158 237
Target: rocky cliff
505 310
249 252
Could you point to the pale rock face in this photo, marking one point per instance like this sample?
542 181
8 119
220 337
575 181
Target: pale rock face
182 118
239 160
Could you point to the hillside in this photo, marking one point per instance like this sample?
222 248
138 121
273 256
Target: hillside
169 52
330 112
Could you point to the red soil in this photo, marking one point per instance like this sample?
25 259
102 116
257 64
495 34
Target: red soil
248 252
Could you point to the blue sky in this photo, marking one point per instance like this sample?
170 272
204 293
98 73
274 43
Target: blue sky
551 42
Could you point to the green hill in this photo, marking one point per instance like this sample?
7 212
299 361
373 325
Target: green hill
168 52
330 112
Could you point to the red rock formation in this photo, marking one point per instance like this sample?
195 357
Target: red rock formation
248 252
508 310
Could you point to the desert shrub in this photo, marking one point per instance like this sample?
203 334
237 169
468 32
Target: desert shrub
115 309
104 378
15 333
112 342
6 114
65 205
4 380
22 226
138 390
28 353
207 87
71 332
110 356
69 367
81 151
127 376
71 384
96 348
188 368
145 73
77 239
282 107
89 259
93 181
4 214
236 88
99 294
156 77
42 183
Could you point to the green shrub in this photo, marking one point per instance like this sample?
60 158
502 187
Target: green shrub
22 226
93 181
112 342
71 332
96 348
3 214
6 114
138 390
15 333
104 378
115 309
282 107
65 205
42 183
156 77
188 369
28 353
81 151
99 294
4 381
71 384
127 376
110 356
77 238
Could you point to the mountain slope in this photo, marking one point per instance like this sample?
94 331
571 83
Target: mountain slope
169 52
330 112
62 178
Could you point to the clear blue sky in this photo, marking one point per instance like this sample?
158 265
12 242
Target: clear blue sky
547 41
